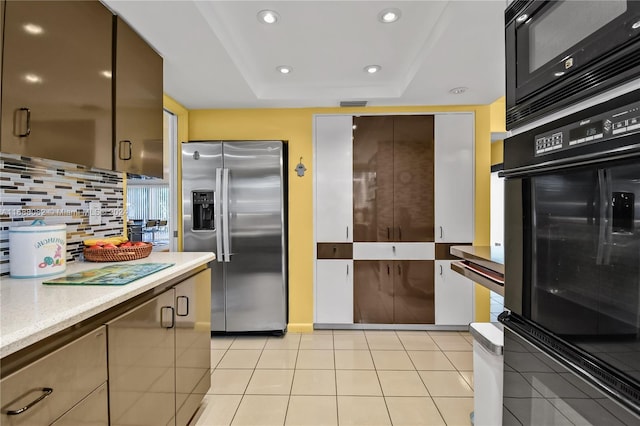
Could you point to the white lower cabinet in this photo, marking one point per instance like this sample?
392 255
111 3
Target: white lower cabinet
334 291
454 296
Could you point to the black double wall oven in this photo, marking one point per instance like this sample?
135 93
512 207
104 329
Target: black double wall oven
561 52
572 258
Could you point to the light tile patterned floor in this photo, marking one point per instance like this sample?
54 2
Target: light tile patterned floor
340 377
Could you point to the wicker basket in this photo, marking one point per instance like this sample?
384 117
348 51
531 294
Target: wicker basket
117 254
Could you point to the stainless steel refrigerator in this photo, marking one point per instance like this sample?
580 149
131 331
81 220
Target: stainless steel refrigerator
233 197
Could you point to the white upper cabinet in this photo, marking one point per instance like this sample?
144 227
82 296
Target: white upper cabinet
334 182
454 177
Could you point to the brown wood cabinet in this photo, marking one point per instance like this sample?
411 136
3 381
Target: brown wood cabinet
394 292
393 178
56 81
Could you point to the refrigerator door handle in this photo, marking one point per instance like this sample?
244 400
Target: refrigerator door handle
217 213
225 215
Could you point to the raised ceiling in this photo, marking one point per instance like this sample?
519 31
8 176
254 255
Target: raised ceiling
217 54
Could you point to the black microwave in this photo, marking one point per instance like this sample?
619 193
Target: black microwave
560 52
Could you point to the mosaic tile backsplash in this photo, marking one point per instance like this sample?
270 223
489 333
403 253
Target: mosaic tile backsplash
57 192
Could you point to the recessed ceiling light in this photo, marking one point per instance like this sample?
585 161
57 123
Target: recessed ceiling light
32 78
458 90
284 69
268 16
106 73
32 29
372 69
388 16
520 19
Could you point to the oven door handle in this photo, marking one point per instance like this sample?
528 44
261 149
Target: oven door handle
603 256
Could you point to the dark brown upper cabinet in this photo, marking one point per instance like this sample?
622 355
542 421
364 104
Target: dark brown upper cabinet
138 127
56 81
393 178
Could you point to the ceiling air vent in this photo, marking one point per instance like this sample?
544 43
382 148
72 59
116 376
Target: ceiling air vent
353 103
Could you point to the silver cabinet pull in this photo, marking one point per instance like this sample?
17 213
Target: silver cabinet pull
27 132
441 270
441 232
127 144
172 318
185 299
393 248
347 232
347 270
45 393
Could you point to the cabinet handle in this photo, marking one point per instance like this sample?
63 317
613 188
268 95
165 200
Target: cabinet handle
388 270
441 270
347 270
441 232
45 393
172 323
28 122
120 145
178 304
347 232
393 248
399 270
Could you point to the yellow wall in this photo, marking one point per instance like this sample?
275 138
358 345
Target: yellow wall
498 124
296 127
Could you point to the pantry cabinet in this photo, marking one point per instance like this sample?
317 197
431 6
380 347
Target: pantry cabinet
333 175
406 183
56 81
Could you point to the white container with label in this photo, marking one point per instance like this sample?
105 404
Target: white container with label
37 250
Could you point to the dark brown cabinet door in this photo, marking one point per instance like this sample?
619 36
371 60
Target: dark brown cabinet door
138 105
393 178
373 292
413 178
56 81
373 178
413 292
393 292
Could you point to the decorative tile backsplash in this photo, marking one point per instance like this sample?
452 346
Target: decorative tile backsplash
57 192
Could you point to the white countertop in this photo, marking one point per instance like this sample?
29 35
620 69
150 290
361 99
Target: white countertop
31 311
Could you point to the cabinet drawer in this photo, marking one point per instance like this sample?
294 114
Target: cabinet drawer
91 411
393 251
335 251
72 372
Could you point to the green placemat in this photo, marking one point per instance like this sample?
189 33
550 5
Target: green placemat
110 275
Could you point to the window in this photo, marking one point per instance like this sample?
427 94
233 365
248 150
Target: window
148 206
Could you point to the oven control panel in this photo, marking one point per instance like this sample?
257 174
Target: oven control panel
613 124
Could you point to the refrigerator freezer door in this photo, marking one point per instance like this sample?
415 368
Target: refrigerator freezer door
255 274
199 163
